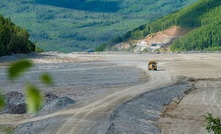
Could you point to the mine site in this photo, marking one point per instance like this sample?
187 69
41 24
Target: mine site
113 93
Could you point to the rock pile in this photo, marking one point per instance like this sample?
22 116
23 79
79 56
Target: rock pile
15 103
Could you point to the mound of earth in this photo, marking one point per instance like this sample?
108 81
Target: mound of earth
15 103
56 104
14 97
12 108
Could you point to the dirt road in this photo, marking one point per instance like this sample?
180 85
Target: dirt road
92 112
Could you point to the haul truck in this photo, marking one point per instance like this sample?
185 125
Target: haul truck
152 65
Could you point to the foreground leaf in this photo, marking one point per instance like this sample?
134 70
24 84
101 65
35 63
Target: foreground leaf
2 101
18 67
34 99
46 79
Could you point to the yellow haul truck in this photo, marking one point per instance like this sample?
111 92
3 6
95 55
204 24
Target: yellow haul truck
152 65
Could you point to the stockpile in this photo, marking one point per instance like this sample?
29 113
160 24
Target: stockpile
15 103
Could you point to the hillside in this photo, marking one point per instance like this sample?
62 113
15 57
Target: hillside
167 35
203 17
83 24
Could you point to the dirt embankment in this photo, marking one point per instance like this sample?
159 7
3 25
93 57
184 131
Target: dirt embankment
188 114
167 36
139 115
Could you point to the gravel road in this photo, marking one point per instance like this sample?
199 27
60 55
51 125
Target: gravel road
114 92
139 115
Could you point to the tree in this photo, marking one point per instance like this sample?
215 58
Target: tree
213 124
13 39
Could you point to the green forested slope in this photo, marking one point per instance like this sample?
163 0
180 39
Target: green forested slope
208 35
204 17
76 25
13 39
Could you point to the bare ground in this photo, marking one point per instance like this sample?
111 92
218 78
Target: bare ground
92 112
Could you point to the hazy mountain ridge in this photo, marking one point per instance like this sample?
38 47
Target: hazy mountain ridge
57 27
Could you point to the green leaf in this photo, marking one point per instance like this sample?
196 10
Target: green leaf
34 99
18 67
46 79
2 101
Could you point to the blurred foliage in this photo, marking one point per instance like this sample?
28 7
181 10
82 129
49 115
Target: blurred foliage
38 50
76 25
46 79
18 67
34 98
213 124
202 16
2 101
6 129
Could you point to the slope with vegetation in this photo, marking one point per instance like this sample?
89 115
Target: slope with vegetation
13 39
76 25
202 16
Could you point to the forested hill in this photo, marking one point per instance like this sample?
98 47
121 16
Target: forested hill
203 16
13 39
79 25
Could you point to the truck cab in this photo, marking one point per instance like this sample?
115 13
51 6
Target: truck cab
152 65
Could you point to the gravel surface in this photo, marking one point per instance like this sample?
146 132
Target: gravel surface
37 126
113 86
75 81
81 75
139 115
